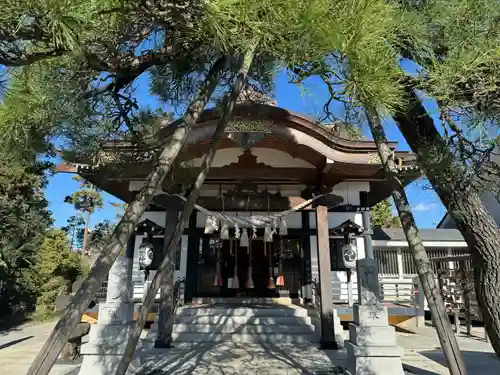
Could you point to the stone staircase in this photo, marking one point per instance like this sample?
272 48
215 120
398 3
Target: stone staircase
243 321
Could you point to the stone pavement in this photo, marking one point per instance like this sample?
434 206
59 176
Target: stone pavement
19 347
227 358
423 355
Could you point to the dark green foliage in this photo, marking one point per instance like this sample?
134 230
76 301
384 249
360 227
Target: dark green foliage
24 220
100 233
57 267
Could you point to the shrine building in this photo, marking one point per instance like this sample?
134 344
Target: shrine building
274 174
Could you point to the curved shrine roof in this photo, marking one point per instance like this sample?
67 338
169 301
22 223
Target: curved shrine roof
333 158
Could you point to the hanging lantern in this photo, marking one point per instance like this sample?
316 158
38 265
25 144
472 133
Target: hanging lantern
244 238
224 232
283 228
211 225
146 254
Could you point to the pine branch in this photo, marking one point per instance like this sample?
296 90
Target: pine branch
124 114
24 60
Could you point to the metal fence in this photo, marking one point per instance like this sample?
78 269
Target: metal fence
398 262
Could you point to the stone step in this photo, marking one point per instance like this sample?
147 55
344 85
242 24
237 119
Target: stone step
277 338
245 300
244 319
206 310
244 329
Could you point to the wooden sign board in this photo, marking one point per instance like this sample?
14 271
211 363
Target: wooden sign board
255 126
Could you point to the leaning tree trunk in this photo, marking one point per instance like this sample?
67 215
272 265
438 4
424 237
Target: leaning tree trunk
444 330
464 205
162 273
73 312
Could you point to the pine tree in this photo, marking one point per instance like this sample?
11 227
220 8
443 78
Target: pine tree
460 70
455 47
382 217
74 229
85 200
80 91
24 220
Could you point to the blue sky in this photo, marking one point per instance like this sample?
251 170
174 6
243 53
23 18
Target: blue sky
308 99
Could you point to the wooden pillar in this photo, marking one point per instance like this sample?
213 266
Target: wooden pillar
165 326
193 248
325 279
306 259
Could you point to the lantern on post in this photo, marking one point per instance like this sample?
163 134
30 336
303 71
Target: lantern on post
349 252
146 255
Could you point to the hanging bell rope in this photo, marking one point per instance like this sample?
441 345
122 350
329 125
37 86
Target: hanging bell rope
283 227
268 233
230 279
244 233
280 281
270 283
224 232
218 277
249 283
236 281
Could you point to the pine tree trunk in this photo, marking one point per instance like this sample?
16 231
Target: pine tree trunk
126 226
444 330
164 336
86 234
464 205
161 274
